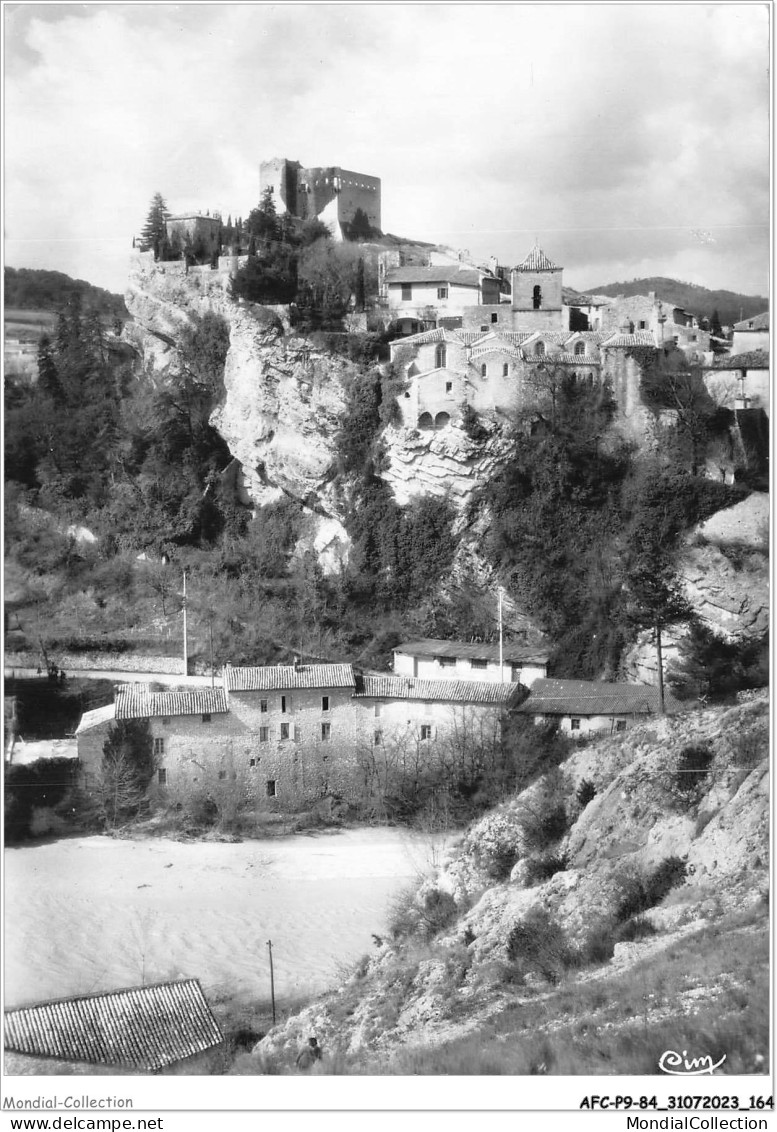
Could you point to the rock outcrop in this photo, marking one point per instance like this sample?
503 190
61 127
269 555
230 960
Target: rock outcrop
710 831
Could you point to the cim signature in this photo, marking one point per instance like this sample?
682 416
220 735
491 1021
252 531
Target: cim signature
681 1066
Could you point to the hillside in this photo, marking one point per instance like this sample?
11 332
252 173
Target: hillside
614 908
30 289
701 301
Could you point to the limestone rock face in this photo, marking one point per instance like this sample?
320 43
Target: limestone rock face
446 464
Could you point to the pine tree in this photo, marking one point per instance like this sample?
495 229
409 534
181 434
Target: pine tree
154 231
48 378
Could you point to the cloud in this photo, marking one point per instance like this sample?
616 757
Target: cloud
486 123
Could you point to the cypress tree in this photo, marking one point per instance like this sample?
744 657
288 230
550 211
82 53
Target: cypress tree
154 232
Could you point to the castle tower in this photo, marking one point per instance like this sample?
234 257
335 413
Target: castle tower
537 293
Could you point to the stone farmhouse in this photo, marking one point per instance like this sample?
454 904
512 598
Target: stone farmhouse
583 707
292 734
751 334
417 295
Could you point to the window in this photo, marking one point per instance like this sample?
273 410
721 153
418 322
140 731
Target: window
446 661
484 370
264 734
165 720
377 711
263 705
325 703
159 747
284 731
539 349
252 762
162 776
478 662
693 337
484 328
517 669
440 356
407 292
326 731
285 704
537 297
222 775
575 725
206 717
271 791
494 317
642 324
442 292
377 738
579 348
620 725
448 386
505 369
426 731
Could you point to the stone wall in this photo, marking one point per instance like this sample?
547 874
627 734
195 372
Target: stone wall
550 284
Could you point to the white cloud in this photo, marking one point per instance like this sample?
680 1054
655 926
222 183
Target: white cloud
525 118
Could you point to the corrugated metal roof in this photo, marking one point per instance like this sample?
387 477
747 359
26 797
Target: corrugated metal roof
439 691
141 704
472 650
589 697
95 717
536 260
146 1028
464 276
281 677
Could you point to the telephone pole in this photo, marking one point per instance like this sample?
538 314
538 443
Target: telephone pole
272 981
501 641
185 639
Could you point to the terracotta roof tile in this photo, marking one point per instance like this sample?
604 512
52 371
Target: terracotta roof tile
134 704
146 1028
589 697
440 691
281 677
536 260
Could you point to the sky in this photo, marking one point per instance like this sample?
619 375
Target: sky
628 139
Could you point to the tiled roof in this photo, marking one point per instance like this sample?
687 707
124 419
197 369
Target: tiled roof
464 276
441 691
95 717
439 334
557 337
141 704
752 359
638 338
472 650
536 260
588 697
576 359
142 1027
760 322
281 677
496 347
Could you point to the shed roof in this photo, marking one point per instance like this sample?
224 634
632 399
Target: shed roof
382 687
134 703
146 1028
281 677
95 717
430 646
590 697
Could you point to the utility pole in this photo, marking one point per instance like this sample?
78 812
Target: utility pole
272 981
185 639
501 641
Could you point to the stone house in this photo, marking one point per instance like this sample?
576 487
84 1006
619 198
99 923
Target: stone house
585 707
431 659
285 736
751 334
667 323
418 296
192 228
448 371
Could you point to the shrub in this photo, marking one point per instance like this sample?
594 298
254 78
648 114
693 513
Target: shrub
599 946
644 893
440 911
539 869
637 928
537 944
693 767
551 826
40 784
501 861
586 792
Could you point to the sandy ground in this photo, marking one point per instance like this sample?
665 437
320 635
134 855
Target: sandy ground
93 913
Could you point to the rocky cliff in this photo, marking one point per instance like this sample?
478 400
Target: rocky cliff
673 830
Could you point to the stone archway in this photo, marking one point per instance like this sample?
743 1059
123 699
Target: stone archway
426 420
442 420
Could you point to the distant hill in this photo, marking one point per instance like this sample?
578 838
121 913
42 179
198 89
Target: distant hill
731 307
29 289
